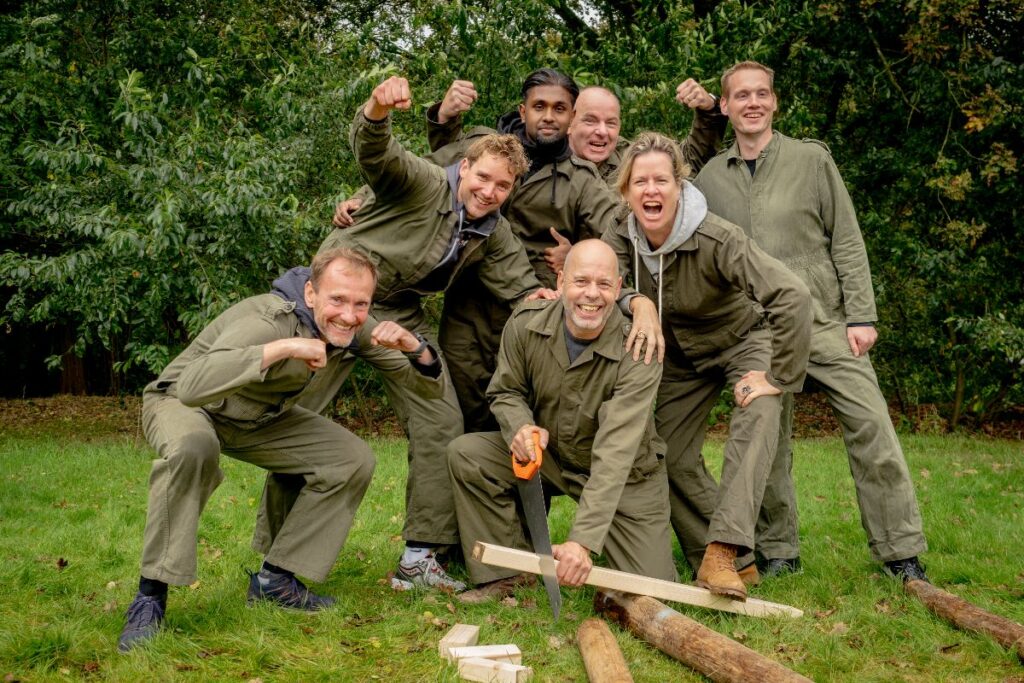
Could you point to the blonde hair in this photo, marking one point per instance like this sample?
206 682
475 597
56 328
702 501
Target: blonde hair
505 147
355 259
739 66
649 142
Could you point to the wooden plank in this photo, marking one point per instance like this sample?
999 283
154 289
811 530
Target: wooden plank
601 654
460 635
520 560
718 657
493 671
969 616
503 653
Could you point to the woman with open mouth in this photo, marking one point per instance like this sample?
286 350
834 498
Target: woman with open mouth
718 311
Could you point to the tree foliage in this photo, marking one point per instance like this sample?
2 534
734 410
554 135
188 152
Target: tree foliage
162 160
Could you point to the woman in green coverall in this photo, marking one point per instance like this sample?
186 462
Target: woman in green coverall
719 311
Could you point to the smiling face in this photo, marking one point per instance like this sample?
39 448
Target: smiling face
750 103
484 184
653 195
595 126
546 113
590 285
341 301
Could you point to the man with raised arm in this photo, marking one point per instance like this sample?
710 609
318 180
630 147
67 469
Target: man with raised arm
251 386
788 196
426 226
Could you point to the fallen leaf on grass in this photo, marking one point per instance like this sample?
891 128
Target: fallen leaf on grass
530 603
195 586
949 648
61 563
110 606
111 585
439 623
824 613
255 680
491 619
925 474
883 606
307 630
839 628
450 607
65 671
360 555
509 602
11 678
739 636
555 643
184 667
91 667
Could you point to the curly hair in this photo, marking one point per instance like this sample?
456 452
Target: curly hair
505 147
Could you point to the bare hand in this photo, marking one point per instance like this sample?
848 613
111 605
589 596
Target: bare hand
311 351
752 385
555 256
646 331
459 99
344 210
692 94
391 335
574 563
522 444
393 93
861 338
543 293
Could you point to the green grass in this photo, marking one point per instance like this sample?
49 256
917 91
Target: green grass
69 496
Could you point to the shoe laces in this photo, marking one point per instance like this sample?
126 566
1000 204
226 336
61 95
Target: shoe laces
147 609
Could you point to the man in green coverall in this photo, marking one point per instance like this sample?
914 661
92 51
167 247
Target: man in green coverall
563 373
789 197
251 385
426 226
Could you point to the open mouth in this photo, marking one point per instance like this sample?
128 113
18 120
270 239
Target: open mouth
589 309
652 209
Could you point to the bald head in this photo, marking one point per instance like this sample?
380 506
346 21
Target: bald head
595 126
590 285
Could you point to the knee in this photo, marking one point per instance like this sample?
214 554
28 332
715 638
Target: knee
197 451
363 464
458 455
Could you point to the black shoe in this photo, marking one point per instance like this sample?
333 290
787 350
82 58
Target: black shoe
771 567
909 569
145 615
286 591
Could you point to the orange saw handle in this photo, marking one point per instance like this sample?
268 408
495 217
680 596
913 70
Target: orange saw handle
527 470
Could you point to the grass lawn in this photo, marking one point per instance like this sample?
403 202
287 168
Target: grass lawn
72 506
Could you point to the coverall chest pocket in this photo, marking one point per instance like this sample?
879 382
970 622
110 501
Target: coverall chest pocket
578 441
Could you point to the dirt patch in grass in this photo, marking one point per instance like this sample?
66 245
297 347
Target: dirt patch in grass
107 416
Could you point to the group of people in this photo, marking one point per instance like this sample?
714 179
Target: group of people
598 297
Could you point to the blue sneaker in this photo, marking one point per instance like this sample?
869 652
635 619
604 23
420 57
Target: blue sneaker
145 616
287 591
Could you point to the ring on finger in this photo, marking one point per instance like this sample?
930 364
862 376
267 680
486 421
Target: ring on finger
745 390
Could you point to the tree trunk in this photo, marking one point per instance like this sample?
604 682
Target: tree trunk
706 651
601 654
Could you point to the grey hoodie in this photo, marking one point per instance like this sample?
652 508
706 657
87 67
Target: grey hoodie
690 213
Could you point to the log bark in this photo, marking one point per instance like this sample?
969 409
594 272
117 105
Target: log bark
698 647
968 616
601 654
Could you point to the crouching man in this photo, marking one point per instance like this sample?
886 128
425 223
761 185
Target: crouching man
563 373
250 386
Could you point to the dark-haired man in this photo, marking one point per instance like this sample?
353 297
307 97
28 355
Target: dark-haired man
425 226
250 386
561 199
789 197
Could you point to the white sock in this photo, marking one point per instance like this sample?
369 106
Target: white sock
415 554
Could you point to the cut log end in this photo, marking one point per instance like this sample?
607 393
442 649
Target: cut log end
601 654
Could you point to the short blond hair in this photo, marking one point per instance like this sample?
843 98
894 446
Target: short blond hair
649 142
739 66
354 258
505 147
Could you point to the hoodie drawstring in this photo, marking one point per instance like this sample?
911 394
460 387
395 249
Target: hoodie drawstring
636 273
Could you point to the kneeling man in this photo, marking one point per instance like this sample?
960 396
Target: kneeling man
250 386
563 373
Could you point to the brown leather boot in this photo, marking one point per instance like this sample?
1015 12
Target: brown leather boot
750 575
718 574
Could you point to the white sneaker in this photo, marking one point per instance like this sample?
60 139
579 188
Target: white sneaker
424 573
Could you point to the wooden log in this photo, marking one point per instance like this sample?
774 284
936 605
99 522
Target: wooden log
493 671
601 654
968 616
502 653
510 558
708 652
460 635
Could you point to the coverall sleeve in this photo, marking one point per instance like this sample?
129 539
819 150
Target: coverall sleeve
389 170
702 142
784 297
848 252
396 365
506 269
510 390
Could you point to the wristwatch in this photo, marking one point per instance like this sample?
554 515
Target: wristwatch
415 354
